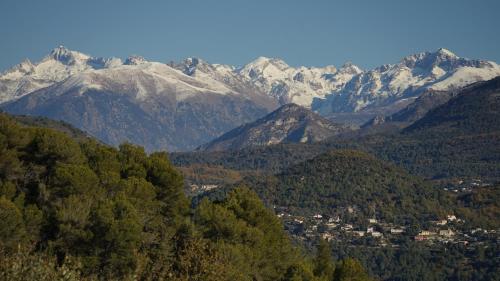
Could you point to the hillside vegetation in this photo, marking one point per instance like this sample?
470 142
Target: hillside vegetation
84 211
335 181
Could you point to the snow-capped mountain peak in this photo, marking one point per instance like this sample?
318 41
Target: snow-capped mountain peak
58 65
66 56
190 65
135 60
203 70
390 83
446 53
299 85
350 68
265 66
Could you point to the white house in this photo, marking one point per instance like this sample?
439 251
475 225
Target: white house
397 230
446 233
359 233
318 216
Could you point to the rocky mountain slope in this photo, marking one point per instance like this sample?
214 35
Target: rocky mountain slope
427 101
290 123
146 103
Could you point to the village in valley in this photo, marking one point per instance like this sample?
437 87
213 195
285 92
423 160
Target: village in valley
382 234
372 231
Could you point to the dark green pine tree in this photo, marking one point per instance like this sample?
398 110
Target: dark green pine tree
323 262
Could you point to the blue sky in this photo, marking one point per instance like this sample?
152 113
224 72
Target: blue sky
315 33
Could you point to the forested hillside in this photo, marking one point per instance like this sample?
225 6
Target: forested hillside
84 211
335 181
474 110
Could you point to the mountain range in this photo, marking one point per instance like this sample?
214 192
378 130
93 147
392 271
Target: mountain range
180 106
392 83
